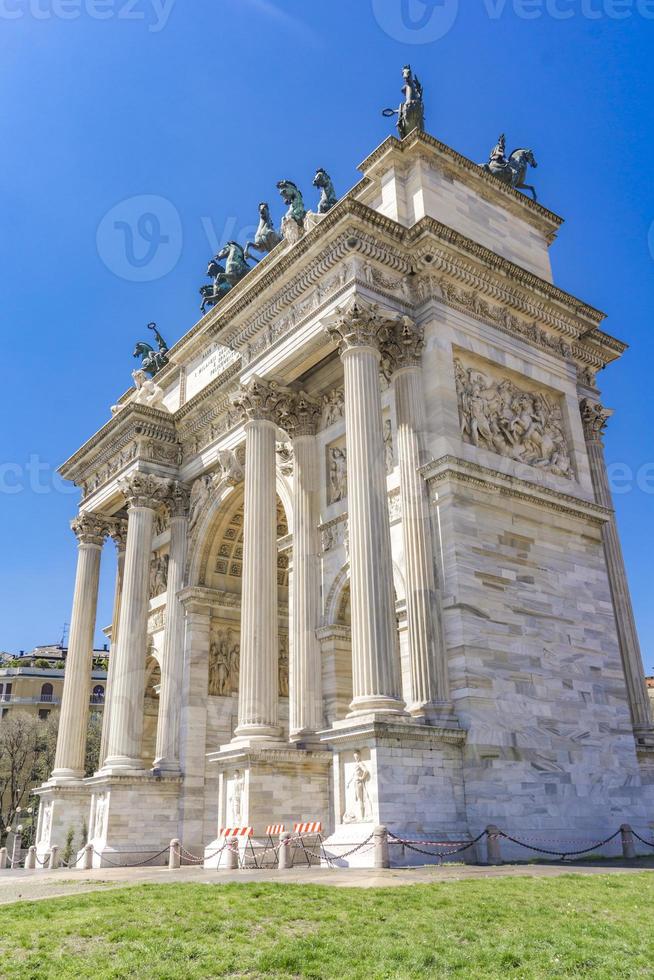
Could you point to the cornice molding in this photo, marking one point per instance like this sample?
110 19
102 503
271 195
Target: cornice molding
452 469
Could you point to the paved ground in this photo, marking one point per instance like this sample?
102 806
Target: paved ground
34 885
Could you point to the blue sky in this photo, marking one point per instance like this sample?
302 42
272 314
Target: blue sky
200 108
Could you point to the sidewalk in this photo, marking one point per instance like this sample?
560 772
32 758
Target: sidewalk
36 885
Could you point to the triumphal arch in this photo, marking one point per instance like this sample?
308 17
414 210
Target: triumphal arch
368 566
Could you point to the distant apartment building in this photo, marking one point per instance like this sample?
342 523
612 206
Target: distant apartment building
34 682
649 681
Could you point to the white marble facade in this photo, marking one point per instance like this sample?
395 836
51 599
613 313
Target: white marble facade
368 569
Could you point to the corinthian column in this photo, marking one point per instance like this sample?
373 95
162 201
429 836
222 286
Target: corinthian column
594 418
305 674
144 494
119 535
91 532
375 665
172 661
427 657
260 403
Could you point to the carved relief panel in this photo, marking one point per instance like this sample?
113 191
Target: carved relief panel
336 471
512 416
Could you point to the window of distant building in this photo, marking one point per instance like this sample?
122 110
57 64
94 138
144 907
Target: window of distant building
46 692
98 694
44 714
5 712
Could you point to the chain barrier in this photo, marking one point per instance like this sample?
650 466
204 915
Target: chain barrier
648 843
560 854
410 845
43 862
139 864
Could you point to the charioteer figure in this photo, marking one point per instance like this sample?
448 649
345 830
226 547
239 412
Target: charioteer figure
411 114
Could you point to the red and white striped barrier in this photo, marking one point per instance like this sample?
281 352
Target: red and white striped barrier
235 831
311 827
275 829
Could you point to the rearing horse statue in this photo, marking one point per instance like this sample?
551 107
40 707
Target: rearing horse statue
514 170
266 237
224 277
293 220
327 193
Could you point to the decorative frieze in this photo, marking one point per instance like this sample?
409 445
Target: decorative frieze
334 533
497 415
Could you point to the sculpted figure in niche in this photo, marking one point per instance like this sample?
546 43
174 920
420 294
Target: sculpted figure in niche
337 474
526 426
388 446
159 575
333 405
223 652
283 666
236 803
358 783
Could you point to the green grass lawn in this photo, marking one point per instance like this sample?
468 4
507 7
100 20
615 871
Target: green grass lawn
571 926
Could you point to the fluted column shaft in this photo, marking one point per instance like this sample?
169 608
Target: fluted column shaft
376 681
305 674
144 494
258 683
120 538
595 417
73 722
428 664
172 661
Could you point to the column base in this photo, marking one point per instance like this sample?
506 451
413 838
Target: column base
60 776
256 733
437 713
122 765
377 705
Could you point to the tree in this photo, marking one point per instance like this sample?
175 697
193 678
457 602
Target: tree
27 747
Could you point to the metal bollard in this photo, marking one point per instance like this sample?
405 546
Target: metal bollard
175 857
3 858
493 849
628 845
53 858
231 854
284 853
30 860
381 854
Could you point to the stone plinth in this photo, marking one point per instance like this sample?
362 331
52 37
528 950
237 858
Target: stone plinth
64 807
402 775
132 818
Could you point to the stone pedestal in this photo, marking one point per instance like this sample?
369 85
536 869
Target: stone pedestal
131 818
64 807
262 785
404 775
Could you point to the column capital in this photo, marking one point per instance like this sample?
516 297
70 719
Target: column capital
358 325
144 490
178 499
302 416
405 343
91 528
118 533
594 418
261 401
